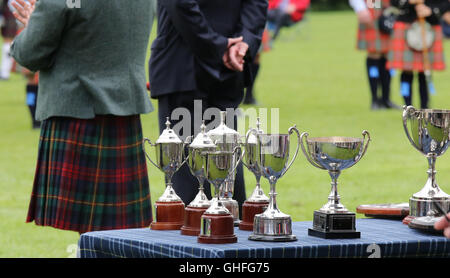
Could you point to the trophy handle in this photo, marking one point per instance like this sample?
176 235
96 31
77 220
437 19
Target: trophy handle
249 132
241 155
407 110
306 153
291 130
364 133
186 143
148 157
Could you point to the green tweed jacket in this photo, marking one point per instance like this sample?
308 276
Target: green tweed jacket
90 54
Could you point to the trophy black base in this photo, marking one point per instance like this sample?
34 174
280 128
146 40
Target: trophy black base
334 225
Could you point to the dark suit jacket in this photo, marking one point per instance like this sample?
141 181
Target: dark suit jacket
194 33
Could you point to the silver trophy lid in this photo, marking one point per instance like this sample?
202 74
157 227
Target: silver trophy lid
202 140
168 135
252 139
224 134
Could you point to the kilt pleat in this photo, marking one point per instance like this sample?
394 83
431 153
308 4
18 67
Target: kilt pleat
402 57
91 175
370 38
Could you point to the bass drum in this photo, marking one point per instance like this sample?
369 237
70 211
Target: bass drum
414 36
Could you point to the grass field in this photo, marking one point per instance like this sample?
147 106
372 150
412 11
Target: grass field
315 77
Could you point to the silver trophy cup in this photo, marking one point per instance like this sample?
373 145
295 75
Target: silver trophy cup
334 154
273 149
428 130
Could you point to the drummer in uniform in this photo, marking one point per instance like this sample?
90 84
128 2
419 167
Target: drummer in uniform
375 40
404 57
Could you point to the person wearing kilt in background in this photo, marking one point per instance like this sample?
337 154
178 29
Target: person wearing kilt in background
8 30
91 172
403 57
375 41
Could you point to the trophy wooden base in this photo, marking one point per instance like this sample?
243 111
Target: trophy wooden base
169 216
192 221
249 210
217 229
334 225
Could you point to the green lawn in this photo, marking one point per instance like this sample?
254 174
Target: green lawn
315 76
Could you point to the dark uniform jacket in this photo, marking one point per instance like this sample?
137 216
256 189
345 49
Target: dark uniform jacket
194 33
408 13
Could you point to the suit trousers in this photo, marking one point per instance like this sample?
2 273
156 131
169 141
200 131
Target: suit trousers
213 94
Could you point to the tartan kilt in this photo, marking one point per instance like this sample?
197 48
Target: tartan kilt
91 175
402 57
370 38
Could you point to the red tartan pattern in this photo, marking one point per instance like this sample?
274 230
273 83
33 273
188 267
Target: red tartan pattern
402 57
91 175
370 38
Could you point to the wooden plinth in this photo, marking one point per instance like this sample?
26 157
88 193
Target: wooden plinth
249 210
221 228
169 216
192 219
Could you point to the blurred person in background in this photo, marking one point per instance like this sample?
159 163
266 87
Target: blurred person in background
446 24
403 57
375 38
285 13
91 172
202 52
31 88
9 31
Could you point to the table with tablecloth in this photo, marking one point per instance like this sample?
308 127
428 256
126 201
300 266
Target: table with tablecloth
379 238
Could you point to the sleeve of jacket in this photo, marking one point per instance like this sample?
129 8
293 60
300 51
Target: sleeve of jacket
205 43
253 21
35 46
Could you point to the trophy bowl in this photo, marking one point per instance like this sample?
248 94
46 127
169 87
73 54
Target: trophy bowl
334 154
428 130
273 149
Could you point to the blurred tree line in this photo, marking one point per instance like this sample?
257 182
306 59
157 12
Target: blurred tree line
329 5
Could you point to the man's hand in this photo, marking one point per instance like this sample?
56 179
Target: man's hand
233 59
446 17
423 10
23 10
443 224
364 17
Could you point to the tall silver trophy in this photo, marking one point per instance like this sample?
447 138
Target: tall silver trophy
217 223
198 147
226 140
428 130
169 208
334 154
273 149
258 201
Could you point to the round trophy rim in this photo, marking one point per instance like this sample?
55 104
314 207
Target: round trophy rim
335 139
436 111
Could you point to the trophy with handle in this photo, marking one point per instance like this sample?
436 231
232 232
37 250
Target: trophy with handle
428 130
217 223
334 154
226 140
272 224
169 209
201 144
258 201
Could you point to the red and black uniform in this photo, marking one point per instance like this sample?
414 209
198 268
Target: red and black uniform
402 57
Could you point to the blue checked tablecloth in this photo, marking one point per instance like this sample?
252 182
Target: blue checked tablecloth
379 238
